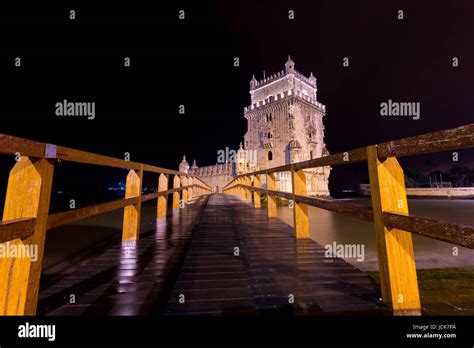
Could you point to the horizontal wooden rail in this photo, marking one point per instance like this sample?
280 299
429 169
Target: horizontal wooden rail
444 140
62 218
12 145
282 194
356 211
18 228
437 229
450 139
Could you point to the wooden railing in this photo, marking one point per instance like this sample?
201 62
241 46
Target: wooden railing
26 214
389 212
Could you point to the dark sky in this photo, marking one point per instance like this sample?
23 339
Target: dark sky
190 62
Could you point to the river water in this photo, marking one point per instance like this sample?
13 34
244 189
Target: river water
327 227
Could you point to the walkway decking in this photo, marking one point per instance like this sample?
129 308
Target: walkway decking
271 269
218 256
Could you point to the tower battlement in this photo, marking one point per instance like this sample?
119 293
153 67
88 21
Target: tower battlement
286 95
281 84
281 74
269 79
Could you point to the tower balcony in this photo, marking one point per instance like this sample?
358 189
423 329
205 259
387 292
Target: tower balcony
268 143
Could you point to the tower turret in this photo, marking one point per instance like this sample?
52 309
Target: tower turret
294 148
184 165
253 82
312 79
290 66
240 159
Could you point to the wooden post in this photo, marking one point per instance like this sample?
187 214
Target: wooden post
162 200
190 190
271 200
194 191
395 247
300 210
184 197
131 213
28 195
257 182
176 195
248 191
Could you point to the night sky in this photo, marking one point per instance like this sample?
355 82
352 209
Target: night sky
190 62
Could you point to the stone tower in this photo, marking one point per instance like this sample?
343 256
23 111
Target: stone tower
285 125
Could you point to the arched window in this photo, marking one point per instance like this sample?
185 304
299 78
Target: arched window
270 117
311 154
270 156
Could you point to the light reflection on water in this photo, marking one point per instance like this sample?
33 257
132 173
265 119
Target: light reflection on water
327 227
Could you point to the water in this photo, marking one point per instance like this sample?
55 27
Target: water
327 227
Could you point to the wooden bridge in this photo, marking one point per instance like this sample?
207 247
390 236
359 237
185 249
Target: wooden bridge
218 254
